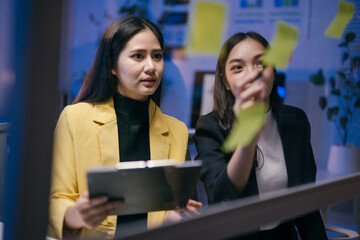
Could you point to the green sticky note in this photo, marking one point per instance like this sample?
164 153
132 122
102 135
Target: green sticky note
207 27
247 124
343 16
283 45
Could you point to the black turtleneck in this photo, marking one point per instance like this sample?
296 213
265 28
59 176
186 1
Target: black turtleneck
133 128
134 144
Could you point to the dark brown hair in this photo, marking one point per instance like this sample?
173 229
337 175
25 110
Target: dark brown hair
100 84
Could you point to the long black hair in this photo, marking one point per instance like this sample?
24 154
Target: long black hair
223 98
100 84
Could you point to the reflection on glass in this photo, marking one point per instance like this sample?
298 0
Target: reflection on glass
88 20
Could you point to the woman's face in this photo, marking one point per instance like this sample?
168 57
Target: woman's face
140 66
243 60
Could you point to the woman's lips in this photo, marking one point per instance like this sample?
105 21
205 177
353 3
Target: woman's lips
149 81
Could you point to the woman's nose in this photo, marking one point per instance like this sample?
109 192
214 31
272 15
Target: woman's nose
253 69
149 65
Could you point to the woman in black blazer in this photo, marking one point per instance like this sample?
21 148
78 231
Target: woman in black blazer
279 156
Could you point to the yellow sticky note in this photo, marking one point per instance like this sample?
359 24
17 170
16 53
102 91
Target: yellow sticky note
283 45
343 16
247 124
208 24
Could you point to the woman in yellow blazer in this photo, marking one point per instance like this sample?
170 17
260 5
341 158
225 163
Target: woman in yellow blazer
115 116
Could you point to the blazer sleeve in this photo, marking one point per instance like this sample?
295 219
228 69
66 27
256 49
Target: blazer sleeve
64 190
208 141
309 168
310 226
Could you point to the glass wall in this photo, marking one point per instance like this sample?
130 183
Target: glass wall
192 46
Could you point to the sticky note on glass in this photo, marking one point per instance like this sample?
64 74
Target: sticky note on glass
247 124
343 16
283 45
206 27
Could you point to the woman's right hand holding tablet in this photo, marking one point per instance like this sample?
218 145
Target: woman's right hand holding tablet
88 212
190 210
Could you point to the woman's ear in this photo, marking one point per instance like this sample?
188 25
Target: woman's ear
227 86
113 71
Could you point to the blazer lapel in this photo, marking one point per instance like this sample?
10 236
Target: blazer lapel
159 144
288 143
104 115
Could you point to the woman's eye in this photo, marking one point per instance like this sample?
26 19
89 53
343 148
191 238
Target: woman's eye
237 68
158 56
137 56
259 63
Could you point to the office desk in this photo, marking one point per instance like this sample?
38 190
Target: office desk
346 213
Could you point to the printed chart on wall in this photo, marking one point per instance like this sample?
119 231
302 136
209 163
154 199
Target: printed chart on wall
261 16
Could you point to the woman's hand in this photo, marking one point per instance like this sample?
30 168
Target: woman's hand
192 209
255 88
252 89
88 212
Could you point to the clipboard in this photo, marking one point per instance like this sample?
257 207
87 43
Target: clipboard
146 186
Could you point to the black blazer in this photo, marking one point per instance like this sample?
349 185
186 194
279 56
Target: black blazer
294 132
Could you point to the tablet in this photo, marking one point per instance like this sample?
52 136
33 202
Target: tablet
146 186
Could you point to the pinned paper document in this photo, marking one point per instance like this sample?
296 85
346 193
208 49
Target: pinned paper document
247 124
343 16
207 24
283 45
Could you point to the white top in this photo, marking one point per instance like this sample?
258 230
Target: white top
271 173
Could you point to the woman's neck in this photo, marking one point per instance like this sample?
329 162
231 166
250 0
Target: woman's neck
135 98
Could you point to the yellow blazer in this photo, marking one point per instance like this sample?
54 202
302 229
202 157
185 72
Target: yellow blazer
87 135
